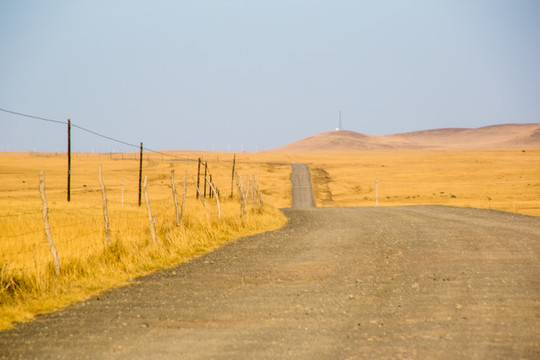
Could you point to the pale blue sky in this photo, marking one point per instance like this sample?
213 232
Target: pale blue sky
253 75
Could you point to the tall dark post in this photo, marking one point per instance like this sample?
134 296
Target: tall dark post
140 173
198 177
232 178
69 162
205 172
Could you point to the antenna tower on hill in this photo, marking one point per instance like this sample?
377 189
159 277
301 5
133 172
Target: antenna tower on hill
339 127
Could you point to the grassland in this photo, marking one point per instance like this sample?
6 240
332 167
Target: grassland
28 284
503 179
506 179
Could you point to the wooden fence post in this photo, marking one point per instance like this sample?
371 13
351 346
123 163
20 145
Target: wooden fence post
174 198
205 173
251 184
48 232
260 201
38 276
241 195
184 196
151 220
105 214
247 193
232 177
217 198
202 199
198 177
210 194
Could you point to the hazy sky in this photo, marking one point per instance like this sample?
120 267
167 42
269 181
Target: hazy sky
253 75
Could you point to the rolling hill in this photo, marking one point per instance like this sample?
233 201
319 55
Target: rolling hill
495 136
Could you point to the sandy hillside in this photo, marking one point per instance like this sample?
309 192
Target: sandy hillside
496 136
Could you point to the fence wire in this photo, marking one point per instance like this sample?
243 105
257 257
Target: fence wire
78 226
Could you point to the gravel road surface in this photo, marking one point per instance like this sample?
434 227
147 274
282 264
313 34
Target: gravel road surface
302 192
422 282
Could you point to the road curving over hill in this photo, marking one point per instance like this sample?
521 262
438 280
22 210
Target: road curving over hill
335 283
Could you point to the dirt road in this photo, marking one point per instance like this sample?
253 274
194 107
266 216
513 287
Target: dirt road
302 191
335 283
423 282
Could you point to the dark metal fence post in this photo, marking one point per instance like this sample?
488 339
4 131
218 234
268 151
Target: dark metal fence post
69 162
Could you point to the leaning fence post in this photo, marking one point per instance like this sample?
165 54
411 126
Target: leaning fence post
258 193
184 197
151 220
241 195
252 192
54 253
246 195
209 182
174 198
202 199
105 215
217 197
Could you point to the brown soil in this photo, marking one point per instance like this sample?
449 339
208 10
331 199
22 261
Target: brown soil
335 283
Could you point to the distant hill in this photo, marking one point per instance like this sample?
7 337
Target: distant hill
496 136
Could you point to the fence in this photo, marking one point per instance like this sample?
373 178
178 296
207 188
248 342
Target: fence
40 231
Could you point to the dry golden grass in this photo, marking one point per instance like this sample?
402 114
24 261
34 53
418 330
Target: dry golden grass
507 180
504 179
28 285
